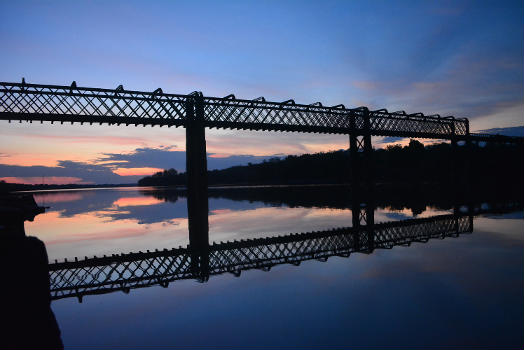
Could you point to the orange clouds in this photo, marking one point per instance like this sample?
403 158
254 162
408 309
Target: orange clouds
57 197
326 147
136 201
116 140
44 145
258 143
136 171
219 155
51 180
30 159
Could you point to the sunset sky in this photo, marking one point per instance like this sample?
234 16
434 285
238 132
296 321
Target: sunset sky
461 58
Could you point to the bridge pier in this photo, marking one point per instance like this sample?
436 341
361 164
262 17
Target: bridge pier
197 200
196 171
361 153
468 160
362 181
455 162
363 217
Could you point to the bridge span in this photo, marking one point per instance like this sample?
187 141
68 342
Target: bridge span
123 272
196 112
201 260
36 102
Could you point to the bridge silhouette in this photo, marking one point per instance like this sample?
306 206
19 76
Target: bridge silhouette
74 104
123 272
35 102
196 112
201 260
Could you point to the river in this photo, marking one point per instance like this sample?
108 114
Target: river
461 290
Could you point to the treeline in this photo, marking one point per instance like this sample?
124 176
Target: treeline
6 187
414 163
394 196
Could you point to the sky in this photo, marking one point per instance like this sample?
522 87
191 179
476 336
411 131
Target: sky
461 58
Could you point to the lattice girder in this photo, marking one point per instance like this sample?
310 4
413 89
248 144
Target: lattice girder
36 102
136 270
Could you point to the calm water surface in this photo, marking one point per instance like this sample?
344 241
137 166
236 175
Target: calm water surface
459 291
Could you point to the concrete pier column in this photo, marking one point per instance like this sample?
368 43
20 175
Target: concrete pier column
361 152
197 200
353 154
369 166
370 224
200 262
355 211
355 214
196 171
468 159
363 219
455 160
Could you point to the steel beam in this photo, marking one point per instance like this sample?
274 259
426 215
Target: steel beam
75 104
136 270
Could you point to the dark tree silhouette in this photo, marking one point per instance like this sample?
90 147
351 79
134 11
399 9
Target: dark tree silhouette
493 164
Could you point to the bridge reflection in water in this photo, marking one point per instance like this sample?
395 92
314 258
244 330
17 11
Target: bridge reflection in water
200 260
35 282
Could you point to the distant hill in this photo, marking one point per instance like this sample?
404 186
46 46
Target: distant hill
414 163
511 131
11 187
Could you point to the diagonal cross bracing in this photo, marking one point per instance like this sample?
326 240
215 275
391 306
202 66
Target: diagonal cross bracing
137 270
36 102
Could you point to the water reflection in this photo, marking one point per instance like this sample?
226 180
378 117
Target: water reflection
258 231
130 271
268 246
112 221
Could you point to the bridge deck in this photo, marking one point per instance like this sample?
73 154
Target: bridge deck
137 270
35 102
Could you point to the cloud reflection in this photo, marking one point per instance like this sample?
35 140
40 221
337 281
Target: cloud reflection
107 221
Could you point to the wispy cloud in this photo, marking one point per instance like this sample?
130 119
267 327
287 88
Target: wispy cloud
50 180
366 85
118 140
136 171
115 168
512 131
457 58
169 157
66 172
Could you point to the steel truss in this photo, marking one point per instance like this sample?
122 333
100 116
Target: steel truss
136 270
74 104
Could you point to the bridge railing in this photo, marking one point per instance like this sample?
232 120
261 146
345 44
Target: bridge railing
401 124
90 105
259 114
136 270
37 102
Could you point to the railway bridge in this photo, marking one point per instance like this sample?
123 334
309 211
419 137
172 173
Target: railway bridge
124 272
196 112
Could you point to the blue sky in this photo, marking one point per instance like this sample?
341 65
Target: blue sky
462 58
